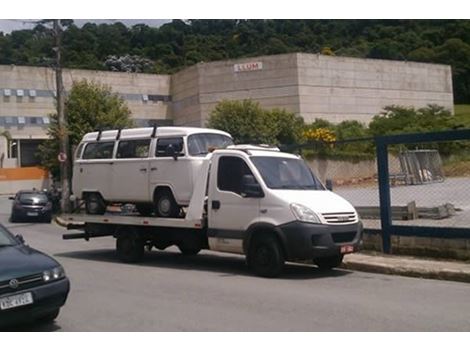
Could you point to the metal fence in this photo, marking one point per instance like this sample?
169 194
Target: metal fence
405 185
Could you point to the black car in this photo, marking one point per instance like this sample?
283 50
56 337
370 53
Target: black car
31 205
33 286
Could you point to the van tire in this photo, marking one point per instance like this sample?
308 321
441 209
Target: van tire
129 247
165 204
328 263
94 204
265 256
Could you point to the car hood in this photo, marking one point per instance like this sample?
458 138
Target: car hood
320 202
19 261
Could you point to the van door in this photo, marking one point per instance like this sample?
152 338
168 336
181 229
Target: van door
230 214
95 169
131 171
170 167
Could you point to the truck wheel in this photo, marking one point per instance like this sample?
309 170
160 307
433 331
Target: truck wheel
186 249
130 248
95 204
265 256
165 204
327 263
144 209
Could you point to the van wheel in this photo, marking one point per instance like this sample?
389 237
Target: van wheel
265 256
129 247
327 263
144 209
165 204
94 204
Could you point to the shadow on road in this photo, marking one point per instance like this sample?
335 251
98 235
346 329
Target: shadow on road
32 327
205 261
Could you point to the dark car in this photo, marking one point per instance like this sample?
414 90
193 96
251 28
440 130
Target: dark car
33 286
31 205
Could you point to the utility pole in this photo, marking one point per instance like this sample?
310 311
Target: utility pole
63 134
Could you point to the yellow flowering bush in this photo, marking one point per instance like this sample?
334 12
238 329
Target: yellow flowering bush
319 135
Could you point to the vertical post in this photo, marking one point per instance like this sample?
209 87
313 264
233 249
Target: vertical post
384 194
63 135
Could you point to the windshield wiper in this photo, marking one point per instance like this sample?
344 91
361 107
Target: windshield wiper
6 245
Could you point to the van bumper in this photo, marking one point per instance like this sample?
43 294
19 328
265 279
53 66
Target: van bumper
304 241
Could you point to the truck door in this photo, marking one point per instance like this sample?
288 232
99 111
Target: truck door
230 214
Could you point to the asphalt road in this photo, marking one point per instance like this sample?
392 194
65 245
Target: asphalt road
216 292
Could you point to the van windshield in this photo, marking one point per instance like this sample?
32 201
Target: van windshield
202 143
286 173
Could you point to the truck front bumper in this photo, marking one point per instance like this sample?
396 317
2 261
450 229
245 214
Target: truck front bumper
307 241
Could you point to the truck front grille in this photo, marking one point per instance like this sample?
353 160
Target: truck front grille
340 218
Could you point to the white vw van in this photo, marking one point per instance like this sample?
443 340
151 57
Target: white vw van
154 168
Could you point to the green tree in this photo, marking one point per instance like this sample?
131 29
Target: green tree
245 120
88 107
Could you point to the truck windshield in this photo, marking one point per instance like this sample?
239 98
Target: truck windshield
286 173
202 143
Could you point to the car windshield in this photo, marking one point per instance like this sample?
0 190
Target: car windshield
201 143
286 173
33 198
6 239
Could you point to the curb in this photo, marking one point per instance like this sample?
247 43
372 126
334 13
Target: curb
388 269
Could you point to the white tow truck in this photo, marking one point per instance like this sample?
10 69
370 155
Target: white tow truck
251 200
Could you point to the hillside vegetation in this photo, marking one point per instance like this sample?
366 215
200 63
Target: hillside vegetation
180 44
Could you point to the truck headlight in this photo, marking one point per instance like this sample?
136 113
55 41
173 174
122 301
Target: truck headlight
302 213
54 274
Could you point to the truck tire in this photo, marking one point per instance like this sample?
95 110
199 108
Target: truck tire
328 263
189 249
265 256
165 204
94 204
129 247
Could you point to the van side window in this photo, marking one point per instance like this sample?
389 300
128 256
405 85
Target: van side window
163 145
133 149
230 173
100 150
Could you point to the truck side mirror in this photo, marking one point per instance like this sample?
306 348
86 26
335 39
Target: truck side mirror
171 151
251 188
11 198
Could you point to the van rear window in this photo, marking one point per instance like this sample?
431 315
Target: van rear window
99 150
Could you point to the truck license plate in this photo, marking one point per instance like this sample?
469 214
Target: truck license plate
16 301
347 249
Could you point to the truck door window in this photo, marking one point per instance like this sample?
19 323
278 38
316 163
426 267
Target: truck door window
164 143
98 150
230 173
133 149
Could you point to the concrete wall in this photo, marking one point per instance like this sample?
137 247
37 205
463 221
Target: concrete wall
341 88
314 86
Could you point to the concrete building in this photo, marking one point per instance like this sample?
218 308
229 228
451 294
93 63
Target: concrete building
313 86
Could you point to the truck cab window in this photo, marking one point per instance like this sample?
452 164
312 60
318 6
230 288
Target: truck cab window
230 173
163 145
133 149
99 150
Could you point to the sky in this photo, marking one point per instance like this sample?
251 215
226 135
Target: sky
6 25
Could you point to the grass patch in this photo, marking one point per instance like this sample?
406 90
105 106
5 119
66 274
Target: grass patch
462 114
